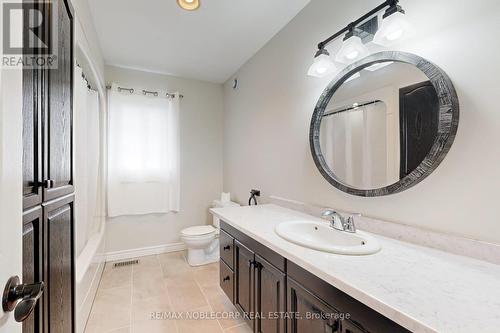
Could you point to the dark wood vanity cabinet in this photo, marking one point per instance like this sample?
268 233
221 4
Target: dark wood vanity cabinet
310 313
244 268
276 295
270 297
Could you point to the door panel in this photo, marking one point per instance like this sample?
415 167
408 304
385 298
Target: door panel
244 280
419 119
58 220
314 316
33 263
58 116
32 143
270 297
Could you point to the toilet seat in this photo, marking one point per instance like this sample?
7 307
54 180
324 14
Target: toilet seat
199 231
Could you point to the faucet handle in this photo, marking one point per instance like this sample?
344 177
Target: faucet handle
328 213
349 225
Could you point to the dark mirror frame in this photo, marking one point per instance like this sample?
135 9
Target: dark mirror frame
447 127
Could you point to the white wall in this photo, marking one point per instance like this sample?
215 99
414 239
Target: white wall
267 118
201 118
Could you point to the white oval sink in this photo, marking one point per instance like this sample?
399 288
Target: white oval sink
320 236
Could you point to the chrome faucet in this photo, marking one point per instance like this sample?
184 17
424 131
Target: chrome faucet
340 222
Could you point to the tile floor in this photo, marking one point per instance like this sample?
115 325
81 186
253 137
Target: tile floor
127 297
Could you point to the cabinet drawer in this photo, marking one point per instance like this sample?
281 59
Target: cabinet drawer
226 280
226 248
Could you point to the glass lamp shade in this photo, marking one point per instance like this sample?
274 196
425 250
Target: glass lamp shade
394 28
189 4
322 66
352 49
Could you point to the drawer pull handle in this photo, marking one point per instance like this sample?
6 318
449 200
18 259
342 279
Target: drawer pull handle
227 247
226 279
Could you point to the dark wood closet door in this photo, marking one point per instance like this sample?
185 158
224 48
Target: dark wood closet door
58 223
33 263
419 119
58 152
270 297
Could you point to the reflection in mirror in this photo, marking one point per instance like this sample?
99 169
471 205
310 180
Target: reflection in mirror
379 125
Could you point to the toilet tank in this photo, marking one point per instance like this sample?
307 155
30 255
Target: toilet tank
220 204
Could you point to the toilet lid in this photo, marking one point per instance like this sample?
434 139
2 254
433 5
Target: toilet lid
198 230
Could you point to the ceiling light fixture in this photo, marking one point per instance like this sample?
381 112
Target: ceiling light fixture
322 65
189 4
394 26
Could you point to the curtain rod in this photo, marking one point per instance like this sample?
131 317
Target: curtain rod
146 92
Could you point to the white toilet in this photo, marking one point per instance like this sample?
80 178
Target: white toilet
202 241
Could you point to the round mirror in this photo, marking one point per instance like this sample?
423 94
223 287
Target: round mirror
384 124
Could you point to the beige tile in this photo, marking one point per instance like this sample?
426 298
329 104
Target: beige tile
221 304
121 330
147 262
148 283
207 275
144 310
114 277
154 326
185 294
174 265
199 325
111 310
244 328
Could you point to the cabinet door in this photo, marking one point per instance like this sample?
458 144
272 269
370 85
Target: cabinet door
347 326
58 223
244 262
58 155
270 297
33 263
311 315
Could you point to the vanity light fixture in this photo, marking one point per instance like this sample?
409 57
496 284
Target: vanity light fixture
322 65
352 49
189 4
394 26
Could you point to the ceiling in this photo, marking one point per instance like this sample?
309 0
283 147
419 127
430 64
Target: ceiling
209 44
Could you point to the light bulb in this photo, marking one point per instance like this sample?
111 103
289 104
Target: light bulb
322 65
189 4
352 49
352 55
394 28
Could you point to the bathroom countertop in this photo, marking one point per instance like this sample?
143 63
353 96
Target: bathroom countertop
422 289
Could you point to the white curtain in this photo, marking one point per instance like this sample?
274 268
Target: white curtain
143 153
354 145
86 155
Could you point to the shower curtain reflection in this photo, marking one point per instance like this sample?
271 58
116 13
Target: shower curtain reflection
354 144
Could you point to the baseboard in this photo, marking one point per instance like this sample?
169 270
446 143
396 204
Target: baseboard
145 251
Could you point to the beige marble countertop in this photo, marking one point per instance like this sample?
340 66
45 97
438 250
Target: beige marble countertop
422 289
